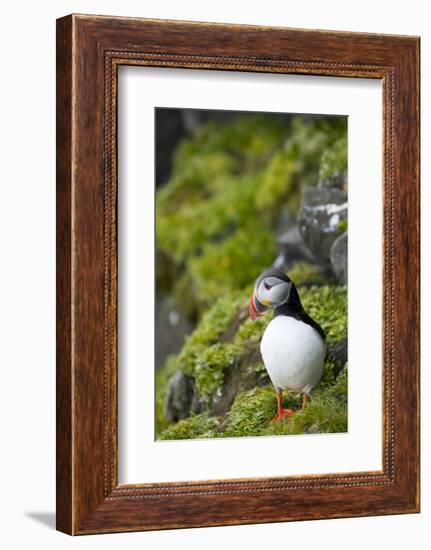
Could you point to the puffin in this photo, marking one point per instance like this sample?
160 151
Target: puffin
293 346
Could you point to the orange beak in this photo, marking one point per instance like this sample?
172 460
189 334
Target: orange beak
252 310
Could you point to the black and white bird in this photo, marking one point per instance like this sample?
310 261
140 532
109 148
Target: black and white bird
293 345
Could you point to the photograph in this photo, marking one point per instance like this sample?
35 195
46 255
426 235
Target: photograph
251 285
213 317
237 273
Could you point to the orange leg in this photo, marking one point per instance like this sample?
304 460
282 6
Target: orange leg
304 400
281 413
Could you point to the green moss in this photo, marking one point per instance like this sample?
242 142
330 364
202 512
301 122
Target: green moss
246 138
220 208
251 413
308 140
199 426
307 273
231 264
212 325
184 231
319 416
325 412
277 183
219 211
328 306
189 183
209 368
334 159
203 357
310 146
343 225
206 358
218 150
251 331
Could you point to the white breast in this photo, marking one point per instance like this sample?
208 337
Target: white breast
293 353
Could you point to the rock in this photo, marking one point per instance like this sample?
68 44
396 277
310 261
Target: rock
336 181
342 372
339 258
286 220
198 404
179 397
169 130
337 353
172 327
322 210
242 376
313 429
193 119
292 249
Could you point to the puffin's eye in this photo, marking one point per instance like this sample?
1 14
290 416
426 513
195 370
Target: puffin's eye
266 285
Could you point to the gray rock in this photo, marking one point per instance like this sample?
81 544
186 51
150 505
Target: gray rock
243 375
285 221
172 327
337 353
291 249
169 130
313 429
322 210
336 181
198 404
339 258
179 397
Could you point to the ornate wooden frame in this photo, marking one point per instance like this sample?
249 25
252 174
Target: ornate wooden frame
89 51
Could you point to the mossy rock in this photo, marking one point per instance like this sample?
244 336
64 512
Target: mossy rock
163 376
231 383
199 426
253 410
308 274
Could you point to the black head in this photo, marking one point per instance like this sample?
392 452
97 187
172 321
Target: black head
275 290
272 289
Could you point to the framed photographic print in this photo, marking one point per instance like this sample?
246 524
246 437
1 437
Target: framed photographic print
237 274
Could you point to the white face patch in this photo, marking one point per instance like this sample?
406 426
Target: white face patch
273 292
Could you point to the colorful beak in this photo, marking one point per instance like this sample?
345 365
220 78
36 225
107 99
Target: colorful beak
255 308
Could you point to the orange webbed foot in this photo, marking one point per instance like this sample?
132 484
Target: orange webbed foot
282 413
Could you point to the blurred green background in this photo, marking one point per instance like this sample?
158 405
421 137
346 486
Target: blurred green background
237 193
